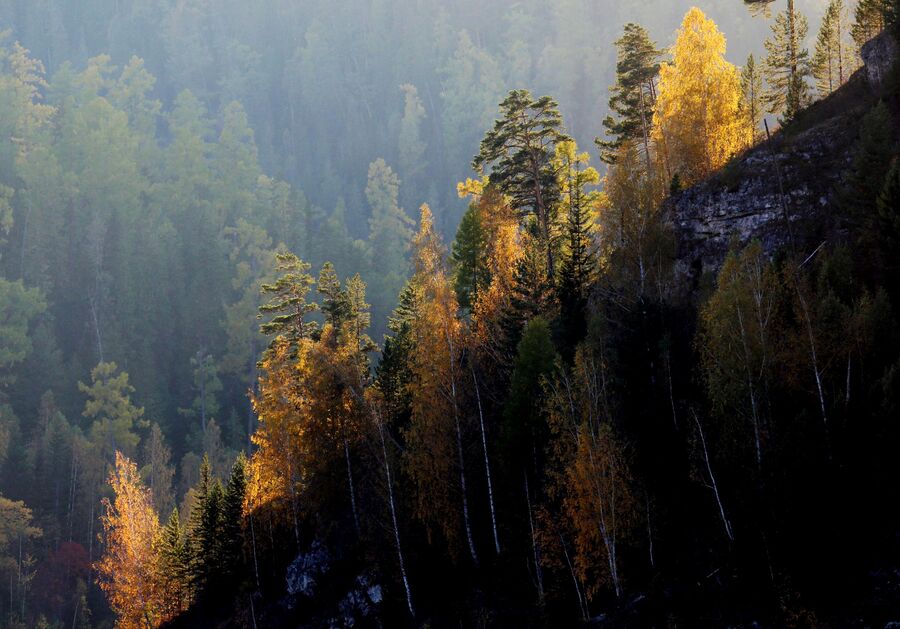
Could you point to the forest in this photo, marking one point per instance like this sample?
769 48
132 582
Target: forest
406 313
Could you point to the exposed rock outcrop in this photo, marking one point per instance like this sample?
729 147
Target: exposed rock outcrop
878 55
782 190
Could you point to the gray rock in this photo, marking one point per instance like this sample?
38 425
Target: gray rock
306 568
878 55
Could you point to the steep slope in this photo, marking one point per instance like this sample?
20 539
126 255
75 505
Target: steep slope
781 191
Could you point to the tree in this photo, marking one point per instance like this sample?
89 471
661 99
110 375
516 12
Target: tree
787 64
18 308
591 477
288 301
435 434
752 91
518 150
231 540
524 431
17 529
830 58
128 571
157 470
335 302
634 94
579 261
114 416
737 344
174 562
410 145
389 231
206 385
869 18
698 107
469 255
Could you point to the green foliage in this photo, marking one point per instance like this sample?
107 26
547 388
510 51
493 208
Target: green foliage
115 417
752 91
634 93
288 300
518 151
18 307
869 18
787 64
469 255
830 57
524 431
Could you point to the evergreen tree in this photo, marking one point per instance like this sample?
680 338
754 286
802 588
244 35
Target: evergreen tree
335 303
633 95
469 255
870 165
869 19
524 431
288 300
519 153
787 64
194 536
174 561
830 58
114 416
752 90
579 264
231 541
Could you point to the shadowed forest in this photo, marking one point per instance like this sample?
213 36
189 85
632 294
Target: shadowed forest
389 313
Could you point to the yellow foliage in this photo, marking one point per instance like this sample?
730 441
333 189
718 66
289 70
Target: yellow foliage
697 122
129 570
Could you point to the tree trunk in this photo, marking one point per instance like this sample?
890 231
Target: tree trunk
487 465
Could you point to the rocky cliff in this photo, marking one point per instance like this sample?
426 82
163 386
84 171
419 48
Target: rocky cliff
781 190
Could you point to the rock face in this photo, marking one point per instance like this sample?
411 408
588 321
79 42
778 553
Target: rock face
770 194
780 192
878 55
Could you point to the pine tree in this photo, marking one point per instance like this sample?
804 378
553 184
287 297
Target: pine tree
752 90
193 546
114 416
335 304
288 300
633 95
787 64
231 540
830 58
870 165
579 264
174 562
519 152
869 19
469 257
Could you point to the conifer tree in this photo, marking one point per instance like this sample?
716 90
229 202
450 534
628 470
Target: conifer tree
579 264
114 416
518 151
829 62
288 300
174 562
787 64
469 255
335 304
633 95
752 103
231 541
869 19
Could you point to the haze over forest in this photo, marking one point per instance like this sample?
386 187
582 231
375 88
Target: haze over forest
457 313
